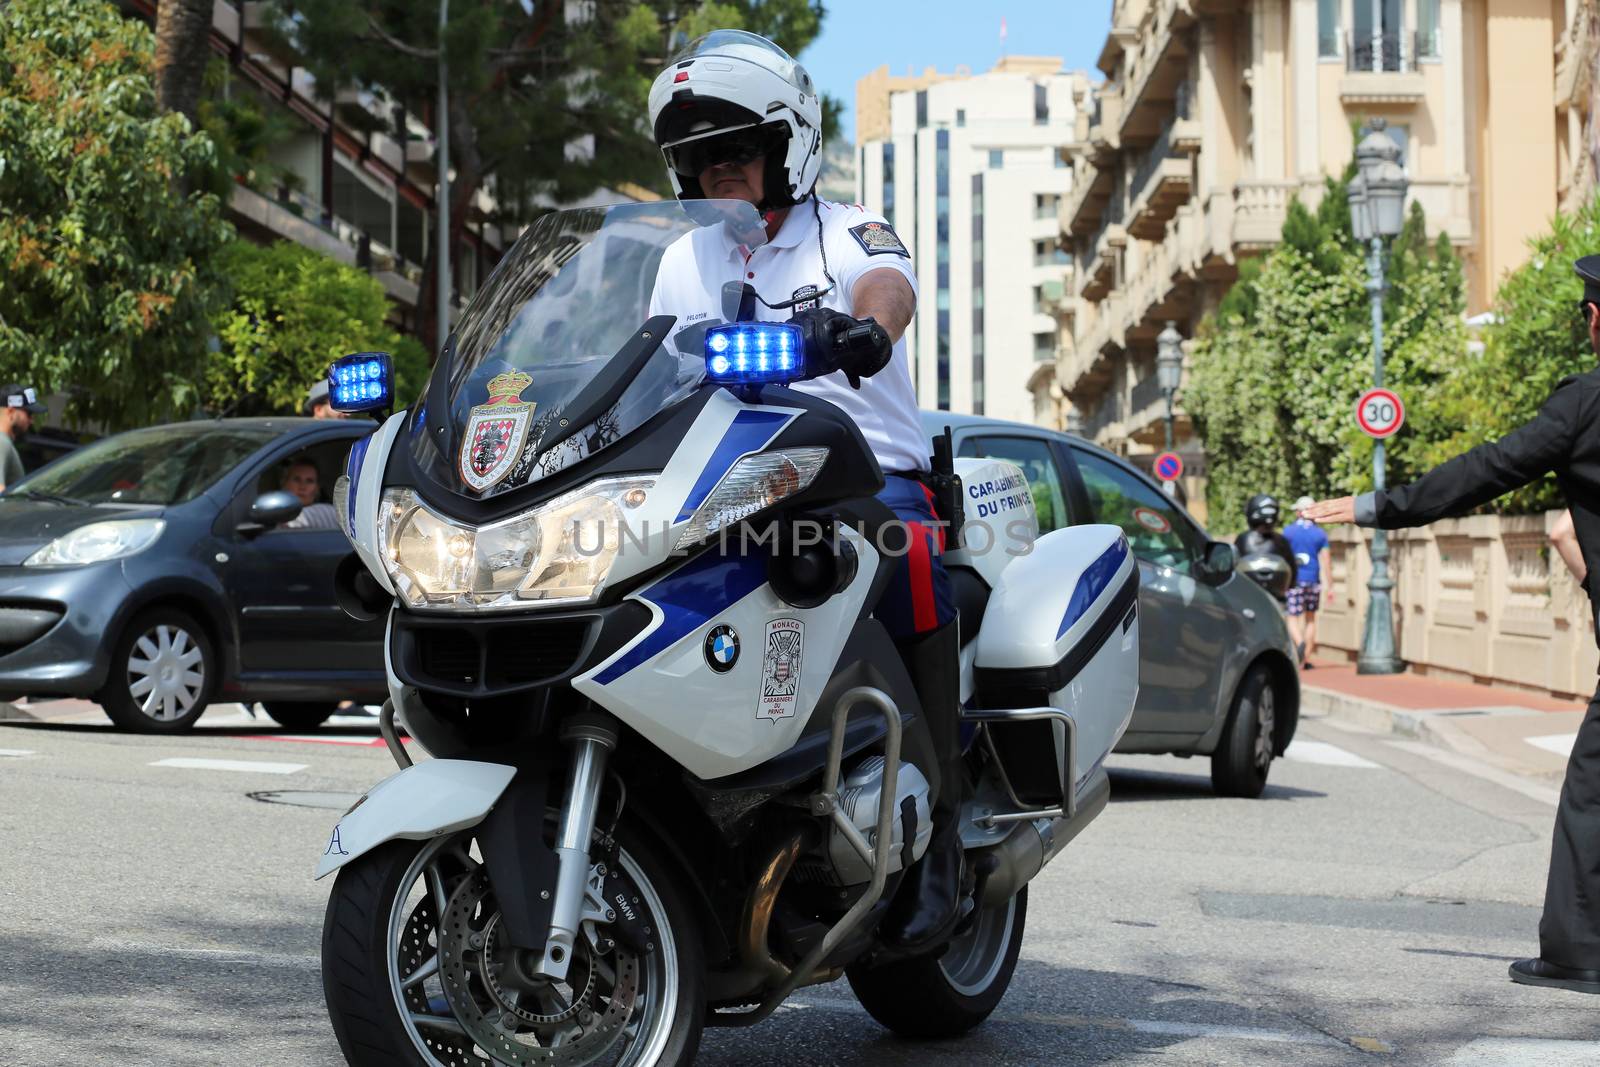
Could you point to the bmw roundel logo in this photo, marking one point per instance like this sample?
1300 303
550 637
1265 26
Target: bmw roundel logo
722 649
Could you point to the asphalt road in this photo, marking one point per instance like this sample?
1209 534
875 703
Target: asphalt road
1363 912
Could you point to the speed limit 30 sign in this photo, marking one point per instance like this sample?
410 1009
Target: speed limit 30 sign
1380 413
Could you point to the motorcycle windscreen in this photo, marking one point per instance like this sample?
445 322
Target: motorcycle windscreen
564 310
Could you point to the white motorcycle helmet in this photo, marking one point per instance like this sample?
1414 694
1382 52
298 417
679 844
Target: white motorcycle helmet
732 96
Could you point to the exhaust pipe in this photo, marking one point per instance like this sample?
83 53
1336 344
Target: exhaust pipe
1034 844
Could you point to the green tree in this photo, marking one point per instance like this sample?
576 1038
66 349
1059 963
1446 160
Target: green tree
550 107
107 273
1277 370
294 311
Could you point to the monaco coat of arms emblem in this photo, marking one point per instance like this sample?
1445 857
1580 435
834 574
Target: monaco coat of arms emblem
496 432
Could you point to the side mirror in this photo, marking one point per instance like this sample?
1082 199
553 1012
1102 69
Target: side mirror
269 510
1217 564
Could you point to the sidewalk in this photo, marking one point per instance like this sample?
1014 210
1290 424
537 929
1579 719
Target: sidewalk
1519 732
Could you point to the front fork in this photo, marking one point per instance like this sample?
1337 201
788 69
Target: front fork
591 738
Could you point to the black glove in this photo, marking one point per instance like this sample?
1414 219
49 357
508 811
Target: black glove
836 342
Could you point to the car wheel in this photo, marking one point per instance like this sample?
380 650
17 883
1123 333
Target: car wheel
1243 757
163 672
300 715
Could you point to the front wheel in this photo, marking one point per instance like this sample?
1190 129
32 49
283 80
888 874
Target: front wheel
407 989
945 996
1243 757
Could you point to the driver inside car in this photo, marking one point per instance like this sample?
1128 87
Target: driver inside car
738 119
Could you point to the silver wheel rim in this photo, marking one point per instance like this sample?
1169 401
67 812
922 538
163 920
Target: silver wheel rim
973 960
1266 720
644 1038
166 672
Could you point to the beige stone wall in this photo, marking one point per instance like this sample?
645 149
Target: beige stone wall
1481 599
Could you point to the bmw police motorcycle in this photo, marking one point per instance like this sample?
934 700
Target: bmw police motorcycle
676 769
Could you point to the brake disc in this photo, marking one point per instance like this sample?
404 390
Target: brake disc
480 971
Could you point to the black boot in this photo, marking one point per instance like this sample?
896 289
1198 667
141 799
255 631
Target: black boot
928 905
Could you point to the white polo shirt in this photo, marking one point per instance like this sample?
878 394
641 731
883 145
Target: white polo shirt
694 270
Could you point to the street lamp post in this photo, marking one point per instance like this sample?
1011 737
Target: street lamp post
1169 369
1377 213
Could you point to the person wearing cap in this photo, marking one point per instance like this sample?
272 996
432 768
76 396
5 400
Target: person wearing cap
16 419
319 406
1310 547
1563 438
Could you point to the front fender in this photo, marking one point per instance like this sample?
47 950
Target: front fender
428 800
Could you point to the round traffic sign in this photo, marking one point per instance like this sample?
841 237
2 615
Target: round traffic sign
1380 413
1168 467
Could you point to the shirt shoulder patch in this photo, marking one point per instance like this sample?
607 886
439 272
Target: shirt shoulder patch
879 238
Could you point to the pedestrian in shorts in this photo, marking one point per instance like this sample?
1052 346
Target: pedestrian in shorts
1310 546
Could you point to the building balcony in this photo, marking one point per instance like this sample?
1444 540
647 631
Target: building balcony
1382 69
1100 276
1080 210
1104 141
263 36
225 21
1156 73
1259 208
1162 183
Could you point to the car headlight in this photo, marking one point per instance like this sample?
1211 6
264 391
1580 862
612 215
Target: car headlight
98 542
560 552
755 483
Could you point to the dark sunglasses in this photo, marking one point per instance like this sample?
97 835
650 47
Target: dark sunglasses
732 149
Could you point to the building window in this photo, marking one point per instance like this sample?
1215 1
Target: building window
1061 160
1044 347
922 108
888 182
977 294
1041 105
1328 28
1429 39
1401 135
997 159
1380 45
1049 254
961 116
1044 205
1038 299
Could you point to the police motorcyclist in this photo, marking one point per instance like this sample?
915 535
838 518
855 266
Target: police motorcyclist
1564 438
1263 537
738 119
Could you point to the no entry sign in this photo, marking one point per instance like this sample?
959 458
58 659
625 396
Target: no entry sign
1380 413
1168 467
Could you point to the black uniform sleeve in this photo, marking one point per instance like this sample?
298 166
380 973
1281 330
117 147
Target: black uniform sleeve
1281 543
1476 477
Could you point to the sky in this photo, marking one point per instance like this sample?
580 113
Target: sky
860 35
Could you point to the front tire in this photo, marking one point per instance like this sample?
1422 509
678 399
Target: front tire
382 930
163 672
1243 757
948 995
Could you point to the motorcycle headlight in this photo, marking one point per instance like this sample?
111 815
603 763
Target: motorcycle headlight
98 542
755 483
561 551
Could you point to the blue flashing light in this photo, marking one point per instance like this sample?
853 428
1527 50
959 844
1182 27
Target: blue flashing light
363 381
754 353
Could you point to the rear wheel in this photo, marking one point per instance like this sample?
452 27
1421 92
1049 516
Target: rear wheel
945 996
1243 757
300 715
406 988
163 672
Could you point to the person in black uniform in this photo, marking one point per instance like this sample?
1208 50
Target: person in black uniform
1565 438
1263 538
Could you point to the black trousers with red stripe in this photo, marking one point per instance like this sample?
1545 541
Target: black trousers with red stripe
918 599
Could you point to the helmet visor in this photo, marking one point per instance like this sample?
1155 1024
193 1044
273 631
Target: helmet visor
693 156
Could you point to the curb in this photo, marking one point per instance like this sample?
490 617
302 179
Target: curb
9 712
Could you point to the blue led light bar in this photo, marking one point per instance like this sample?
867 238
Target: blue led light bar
755 353
363 381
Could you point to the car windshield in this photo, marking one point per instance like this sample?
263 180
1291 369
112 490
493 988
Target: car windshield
514 395
162 465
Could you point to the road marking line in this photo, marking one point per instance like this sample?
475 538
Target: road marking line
1525 1052
1560 744
1516 783
16 753
247 766
1327 755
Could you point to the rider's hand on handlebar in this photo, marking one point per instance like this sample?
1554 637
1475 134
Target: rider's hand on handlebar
836 342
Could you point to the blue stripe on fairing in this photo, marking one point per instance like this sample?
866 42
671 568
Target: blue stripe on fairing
749 432
689 598
1092 582
352 470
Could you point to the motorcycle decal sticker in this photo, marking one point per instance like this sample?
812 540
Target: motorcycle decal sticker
1153 521
780 669
495 432
335 846
807 297
879 238
722 649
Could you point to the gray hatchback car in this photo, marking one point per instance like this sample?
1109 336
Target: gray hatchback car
1216 665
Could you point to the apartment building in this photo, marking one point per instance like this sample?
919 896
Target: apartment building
1214 114
971 170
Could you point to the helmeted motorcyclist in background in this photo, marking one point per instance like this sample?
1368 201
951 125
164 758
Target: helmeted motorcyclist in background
1264 542
738 119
